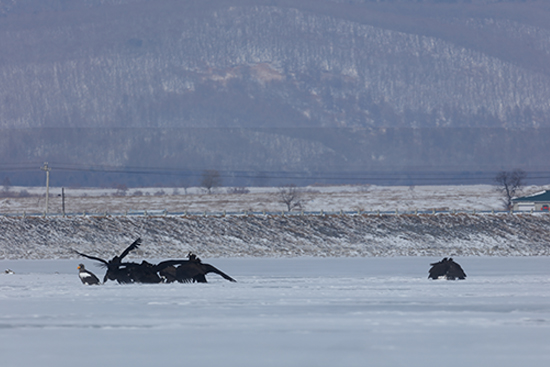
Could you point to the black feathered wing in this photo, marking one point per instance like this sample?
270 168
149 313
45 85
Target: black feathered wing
105 263
438 269
207 268
132 247
455 271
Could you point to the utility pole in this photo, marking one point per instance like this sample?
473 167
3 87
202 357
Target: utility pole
63 199
47 169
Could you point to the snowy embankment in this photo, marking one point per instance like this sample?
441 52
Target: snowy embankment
277 235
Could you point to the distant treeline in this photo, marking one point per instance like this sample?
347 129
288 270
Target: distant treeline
129 177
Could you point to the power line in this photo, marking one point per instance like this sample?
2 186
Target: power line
417 176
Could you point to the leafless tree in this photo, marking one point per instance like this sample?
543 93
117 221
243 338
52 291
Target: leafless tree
121 190
509 184
291 196
211 179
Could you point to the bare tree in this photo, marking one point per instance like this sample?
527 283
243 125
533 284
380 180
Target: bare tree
509 184
211 179
290 195
121 190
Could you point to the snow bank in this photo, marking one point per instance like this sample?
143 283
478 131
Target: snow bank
277 235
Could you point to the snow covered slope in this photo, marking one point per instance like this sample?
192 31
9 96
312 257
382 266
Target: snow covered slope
277 235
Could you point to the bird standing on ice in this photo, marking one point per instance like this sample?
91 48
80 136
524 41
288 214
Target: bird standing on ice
446 269
86 276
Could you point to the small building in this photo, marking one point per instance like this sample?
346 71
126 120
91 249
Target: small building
536 202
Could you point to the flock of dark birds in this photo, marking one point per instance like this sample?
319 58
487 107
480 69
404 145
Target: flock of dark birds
190 270
193 270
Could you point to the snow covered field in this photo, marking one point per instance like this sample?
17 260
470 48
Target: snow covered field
463 224
281 312
258 199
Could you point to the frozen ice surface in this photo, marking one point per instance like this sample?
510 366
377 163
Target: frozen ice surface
281 312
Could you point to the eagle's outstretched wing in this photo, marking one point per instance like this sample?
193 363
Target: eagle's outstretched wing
104 262
438 269
132 247
207 268
455 271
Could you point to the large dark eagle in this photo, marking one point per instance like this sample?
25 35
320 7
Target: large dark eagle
446 269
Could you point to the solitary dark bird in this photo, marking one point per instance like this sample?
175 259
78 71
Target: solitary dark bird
116 269
86 276
446 269
194 270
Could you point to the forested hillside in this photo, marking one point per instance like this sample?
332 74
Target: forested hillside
261 86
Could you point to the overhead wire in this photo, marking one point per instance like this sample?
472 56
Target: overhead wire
417 176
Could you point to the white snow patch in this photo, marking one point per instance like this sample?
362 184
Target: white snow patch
282 312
